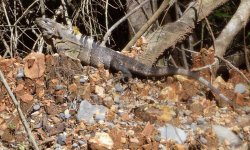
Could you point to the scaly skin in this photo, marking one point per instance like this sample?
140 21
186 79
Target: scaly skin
77 46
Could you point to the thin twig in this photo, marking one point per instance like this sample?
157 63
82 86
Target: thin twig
233 67
17 105
42 8
11 28
246 51
106 36
25 12
184 58
66 13
153 18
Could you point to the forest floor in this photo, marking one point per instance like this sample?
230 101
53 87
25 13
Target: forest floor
72 107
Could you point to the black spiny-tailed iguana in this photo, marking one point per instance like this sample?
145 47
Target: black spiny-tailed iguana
77 46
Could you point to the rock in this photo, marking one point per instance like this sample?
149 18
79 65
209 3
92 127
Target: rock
118 88
87 111
240 88
170 132
61 139
224 134
100 91
101 140
36 107
201 120
75 145
67 114
100 112
83 79
20 73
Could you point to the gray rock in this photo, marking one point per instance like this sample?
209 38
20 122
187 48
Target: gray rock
81 142
61 139
224 133
170 132
240 88
201 120
36 107
118 88
67 114
75 145
87 111
20 73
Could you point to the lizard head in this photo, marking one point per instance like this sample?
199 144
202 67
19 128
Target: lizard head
47 27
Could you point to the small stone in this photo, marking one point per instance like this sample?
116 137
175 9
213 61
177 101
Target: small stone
87 111
36 107
36 113
83 79
117 99
187 112
101 140
61 139
67 114
130 132
61 115
134 140
201 120
74 145
118 88
224 134
81 142
59 87
171 132
246 129
55 119
240 88
123 140
20 73
108 101
100 91
203 140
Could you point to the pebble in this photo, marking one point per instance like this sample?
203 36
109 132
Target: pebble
20 72
59 87
118 88
100 91
36 107
240 88
67 114
203 140
81 142
74 145
61 139
130 132
201 120
171 132
101 140
224 134
87 111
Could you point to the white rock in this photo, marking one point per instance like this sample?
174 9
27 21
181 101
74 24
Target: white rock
102 140
224 134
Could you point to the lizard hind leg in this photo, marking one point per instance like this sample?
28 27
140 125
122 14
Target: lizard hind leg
118 66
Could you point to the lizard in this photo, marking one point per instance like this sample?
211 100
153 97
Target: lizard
77 46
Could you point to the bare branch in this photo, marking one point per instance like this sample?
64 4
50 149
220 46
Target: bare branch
148 24
106 36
